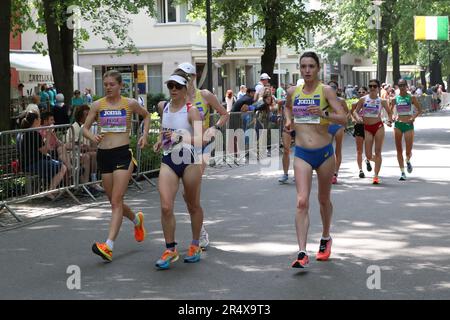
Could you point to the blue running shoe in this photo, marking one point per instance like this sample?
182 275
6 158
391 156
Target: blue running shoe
409 166
283 179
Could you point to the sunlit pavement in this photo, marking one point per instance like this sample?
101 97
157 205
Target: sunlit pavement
391 241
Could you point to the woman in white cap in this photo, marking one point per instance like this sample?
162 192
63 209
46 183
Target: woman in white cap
203 100
181 130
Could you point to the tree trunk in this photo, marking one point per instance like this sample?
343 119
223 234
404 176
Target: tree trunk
436 71
423 79
60 47
271 10
395 59
5 72
383 38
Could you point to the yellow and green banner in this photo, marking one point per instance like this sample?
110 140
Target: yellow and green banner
430 28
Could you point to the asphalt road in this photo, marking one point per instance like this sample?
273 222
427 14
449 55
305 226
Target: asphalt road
391 241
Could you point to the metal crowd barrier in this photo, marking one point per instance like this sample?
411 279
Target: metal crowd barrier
26 172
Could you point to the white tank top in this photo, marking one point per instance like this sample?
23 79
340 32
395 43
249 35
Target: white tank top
178 122
372 107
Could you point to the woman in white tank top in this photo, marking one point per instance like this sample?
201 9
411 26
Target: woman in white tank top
181 130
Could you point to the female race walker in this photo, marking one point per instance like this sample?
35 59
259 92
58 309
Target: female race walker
337 131
407 109
358 131
204 101
313 105
371 106
114 157
180 161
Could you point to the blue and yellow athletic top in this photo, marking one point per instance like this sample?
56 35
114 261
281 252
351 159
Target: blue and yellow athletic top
203 107
301 101
114 119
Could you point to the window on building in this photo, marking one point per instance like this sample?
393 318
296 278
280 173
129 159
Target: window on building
98 81
183 12
167 11
154 79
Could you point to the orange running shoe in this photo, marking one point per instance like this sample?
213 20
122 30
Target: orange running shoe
193 254
139 230
302 261
324 250
102 250
166 259
376 180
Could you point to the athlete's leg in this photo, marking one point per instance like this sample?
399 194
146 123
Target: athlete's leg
339 137
324 174
368 144
192 180
398 135
286 137
168 186
379 139
303 180
359 150
409 141
119 188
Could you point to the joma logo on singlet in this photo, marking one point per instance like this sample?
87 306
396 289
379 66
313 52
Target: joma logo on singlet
112 112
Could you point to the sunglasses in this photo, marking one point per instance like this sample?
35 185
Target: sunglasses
175 85
334 87
373 86
402 85
361 92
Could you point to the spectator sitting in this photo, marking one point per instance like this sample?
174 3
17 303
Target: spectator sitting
57 149
88 153
34 156
32 107
61 111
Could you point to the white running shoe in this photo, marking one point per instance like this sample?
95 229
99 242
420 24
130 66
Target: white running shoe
204 238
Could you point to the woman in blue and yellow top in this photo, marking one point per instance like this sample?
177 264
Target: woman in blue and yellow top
312 106
114 158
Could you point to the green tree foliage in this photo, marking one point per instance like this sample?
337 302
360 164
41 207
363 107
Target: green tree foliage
351 33
273 22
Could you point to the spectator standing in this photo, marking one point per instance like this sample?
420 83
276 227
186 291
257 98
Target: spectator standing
230 99
44 102
61 111
77 101
263 82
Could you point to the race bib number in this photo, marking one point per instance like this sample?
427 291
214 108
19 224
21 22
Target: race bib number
300 111
113 121
404 108
371 110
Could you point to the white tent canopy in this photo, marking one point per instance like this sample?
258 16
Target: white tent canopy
32 61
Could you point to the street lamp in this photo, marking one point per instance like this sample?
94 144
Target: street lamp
209 46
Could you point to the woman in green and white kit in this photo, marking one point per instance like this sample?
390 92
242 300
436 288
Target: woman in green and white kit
407 109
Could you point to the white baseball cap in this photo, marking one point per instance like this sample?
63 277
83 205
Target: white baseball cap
178 79
188 68
264 76
59 99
